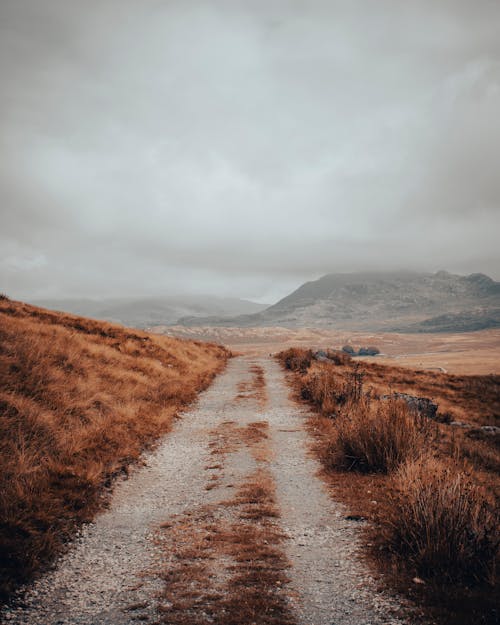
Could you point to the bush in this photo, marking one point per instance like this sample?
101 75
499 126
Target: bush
324 388
328 390
441 523
338 357
377 440
296 359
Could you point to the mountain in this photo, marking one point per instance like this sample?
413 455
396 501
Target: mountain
467 321
391 301
147 311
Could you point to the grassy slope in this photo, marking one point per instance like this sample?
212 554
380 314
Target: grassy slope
79 401
415 508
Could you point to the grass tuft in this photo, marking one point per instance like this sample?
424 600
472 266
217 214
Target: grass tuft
296 359
441 522
377 439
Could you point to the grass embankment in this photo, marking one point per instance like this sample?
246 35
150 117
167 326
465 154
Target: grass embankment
430 490
79 401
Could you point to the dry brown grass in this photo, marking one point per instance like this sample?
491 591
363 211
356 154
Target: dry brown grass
463 353
377 438
224 561
255 388
432 500
441 522
79 401
471 398
296 359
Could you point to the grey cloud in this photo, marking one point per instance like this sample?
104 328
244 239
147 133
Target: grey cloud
219 146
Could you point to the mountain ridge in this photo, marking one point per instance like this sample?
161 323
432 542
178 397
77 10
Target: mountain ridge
141 312
394 301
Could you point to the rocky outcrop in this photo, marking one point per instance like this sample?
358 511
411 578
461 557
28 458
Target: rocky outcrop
368 351
419 405
363 351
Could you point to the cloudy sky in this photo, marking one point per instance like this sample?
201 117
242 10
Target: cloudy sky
241 147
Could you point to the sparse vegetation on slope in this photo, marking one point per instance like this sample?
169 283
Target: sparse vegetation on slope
430 490
79 401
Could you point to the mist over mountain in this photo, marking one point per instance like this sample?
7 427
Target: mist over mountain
141 312
397 301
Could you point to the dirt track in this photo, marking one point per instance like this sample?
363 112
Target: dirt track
234 477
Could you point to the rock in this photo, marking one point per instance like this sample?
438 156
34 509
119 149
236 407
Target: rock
483 432
368 351
348 349
490 429
460 424
320 355
419 405
418 580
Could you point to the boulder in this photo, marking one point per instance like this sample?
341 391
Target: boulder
490 429
320 355
349 349
419 405
368 351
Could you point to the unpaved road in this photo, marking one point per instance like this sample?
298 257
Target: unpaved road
173 526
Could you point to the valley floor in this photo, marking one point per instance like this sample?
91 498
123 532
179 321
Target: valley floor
227 522
461 353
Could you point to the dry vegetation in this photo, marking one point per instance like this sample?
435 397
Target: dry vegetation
440 522
463 353
235 545
79 401
378 438
430 490
254 388
223 562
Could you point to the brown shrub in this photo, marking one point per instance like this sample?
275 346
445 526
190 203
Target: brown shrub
338 357
440 523
328 389
378 440
323 387
296 359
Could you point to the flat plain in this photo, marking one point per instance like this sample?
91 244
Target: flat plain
464 353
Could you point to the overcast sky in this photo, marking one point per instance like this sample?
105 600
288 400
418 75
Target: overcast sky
242 147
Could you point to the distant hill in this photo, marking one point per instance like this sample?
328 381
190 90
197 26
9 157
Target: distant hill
392 301
148 311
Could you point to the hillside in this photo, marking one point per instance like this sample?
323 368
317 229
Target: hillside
79 401
141 312
393 301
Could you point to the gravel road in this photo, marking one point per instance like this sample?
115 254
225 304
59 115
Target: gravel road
109 576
